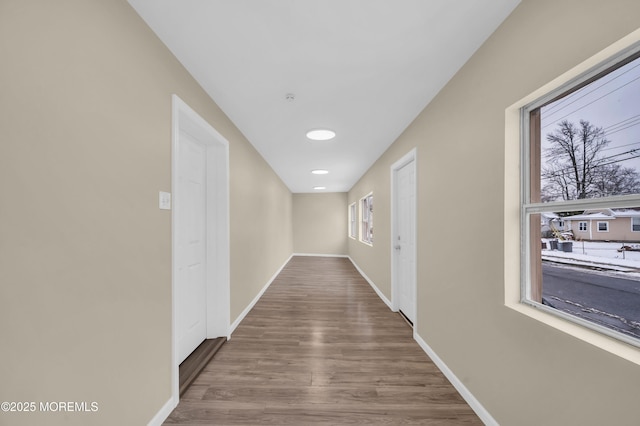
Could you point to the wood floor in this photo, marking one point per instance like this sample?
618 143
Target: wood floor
320 348
197 361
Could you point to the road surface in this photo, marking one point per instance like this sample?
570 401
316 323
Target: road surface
604 299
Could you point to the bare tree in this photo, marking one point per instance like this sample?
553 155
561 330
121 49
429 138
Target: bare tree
612 179
575 168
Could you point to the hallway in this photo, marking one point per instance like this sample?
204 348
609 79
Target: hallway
320 347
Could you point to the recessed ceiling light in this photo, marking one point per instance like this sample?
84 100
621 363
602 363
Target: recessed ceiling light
321 134
318 188
319 172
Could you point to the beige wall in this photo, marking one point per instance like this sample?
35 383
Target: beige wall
320 223
619 230
85 253
261 230
522 371
374 259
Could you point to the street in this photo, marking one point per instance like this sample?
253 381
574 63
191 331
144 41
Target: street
603 299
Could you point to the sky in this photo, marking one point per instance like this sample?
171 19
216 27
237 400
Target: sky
611 102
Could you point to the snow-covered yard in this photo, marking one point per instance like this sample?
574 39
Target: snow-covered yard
598 252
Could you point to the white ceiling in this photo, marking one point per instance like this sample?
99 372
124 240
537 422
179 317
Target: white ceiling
363 68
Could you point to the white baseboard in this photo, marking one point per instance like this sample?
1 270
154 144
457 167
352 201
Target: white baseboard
244 313
373 286
164 412
172 403
460 387
475 405
320 255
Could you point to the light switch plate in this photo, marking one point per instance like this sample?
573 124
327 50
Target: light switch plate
165 200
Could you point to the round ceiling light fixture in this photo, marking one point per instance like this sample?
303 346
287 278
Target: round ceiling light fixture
321 134
320 172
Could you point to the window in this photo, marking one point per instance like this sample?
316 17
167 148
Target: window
581 151
366 219
353 217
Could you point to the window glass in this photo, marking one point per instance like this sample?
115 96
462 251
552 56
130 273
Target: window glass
583 146
590 139
593 275
353 229
366 224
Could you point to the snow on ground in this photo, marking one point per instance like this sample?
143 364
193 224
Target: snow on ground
595 252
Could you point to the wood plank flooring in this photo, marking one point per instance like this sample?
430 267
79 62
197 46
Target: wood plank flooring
197 361
321 348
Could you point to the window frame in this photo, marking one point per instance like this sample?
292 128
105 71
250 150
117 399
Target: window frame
366 220
602 222
530 159
353 220
586 226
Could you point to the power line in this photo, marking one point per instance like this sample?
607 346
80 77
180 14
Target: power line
632 118
562 171
593 101
620 161
627 123
571 96
631 151
550 111
611 129
627 126
619 146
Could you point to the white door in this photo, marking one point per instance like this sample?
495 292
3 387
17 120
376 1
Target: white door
404 239
191 290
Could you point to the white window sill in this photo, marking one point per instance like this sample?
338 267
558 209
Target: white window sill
609 344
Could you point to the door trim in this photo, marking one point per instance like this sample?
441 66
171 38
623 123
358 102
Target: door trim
185 119
408 158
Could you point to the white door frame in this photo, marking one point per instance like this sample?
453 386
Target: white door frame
410 157
185 119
